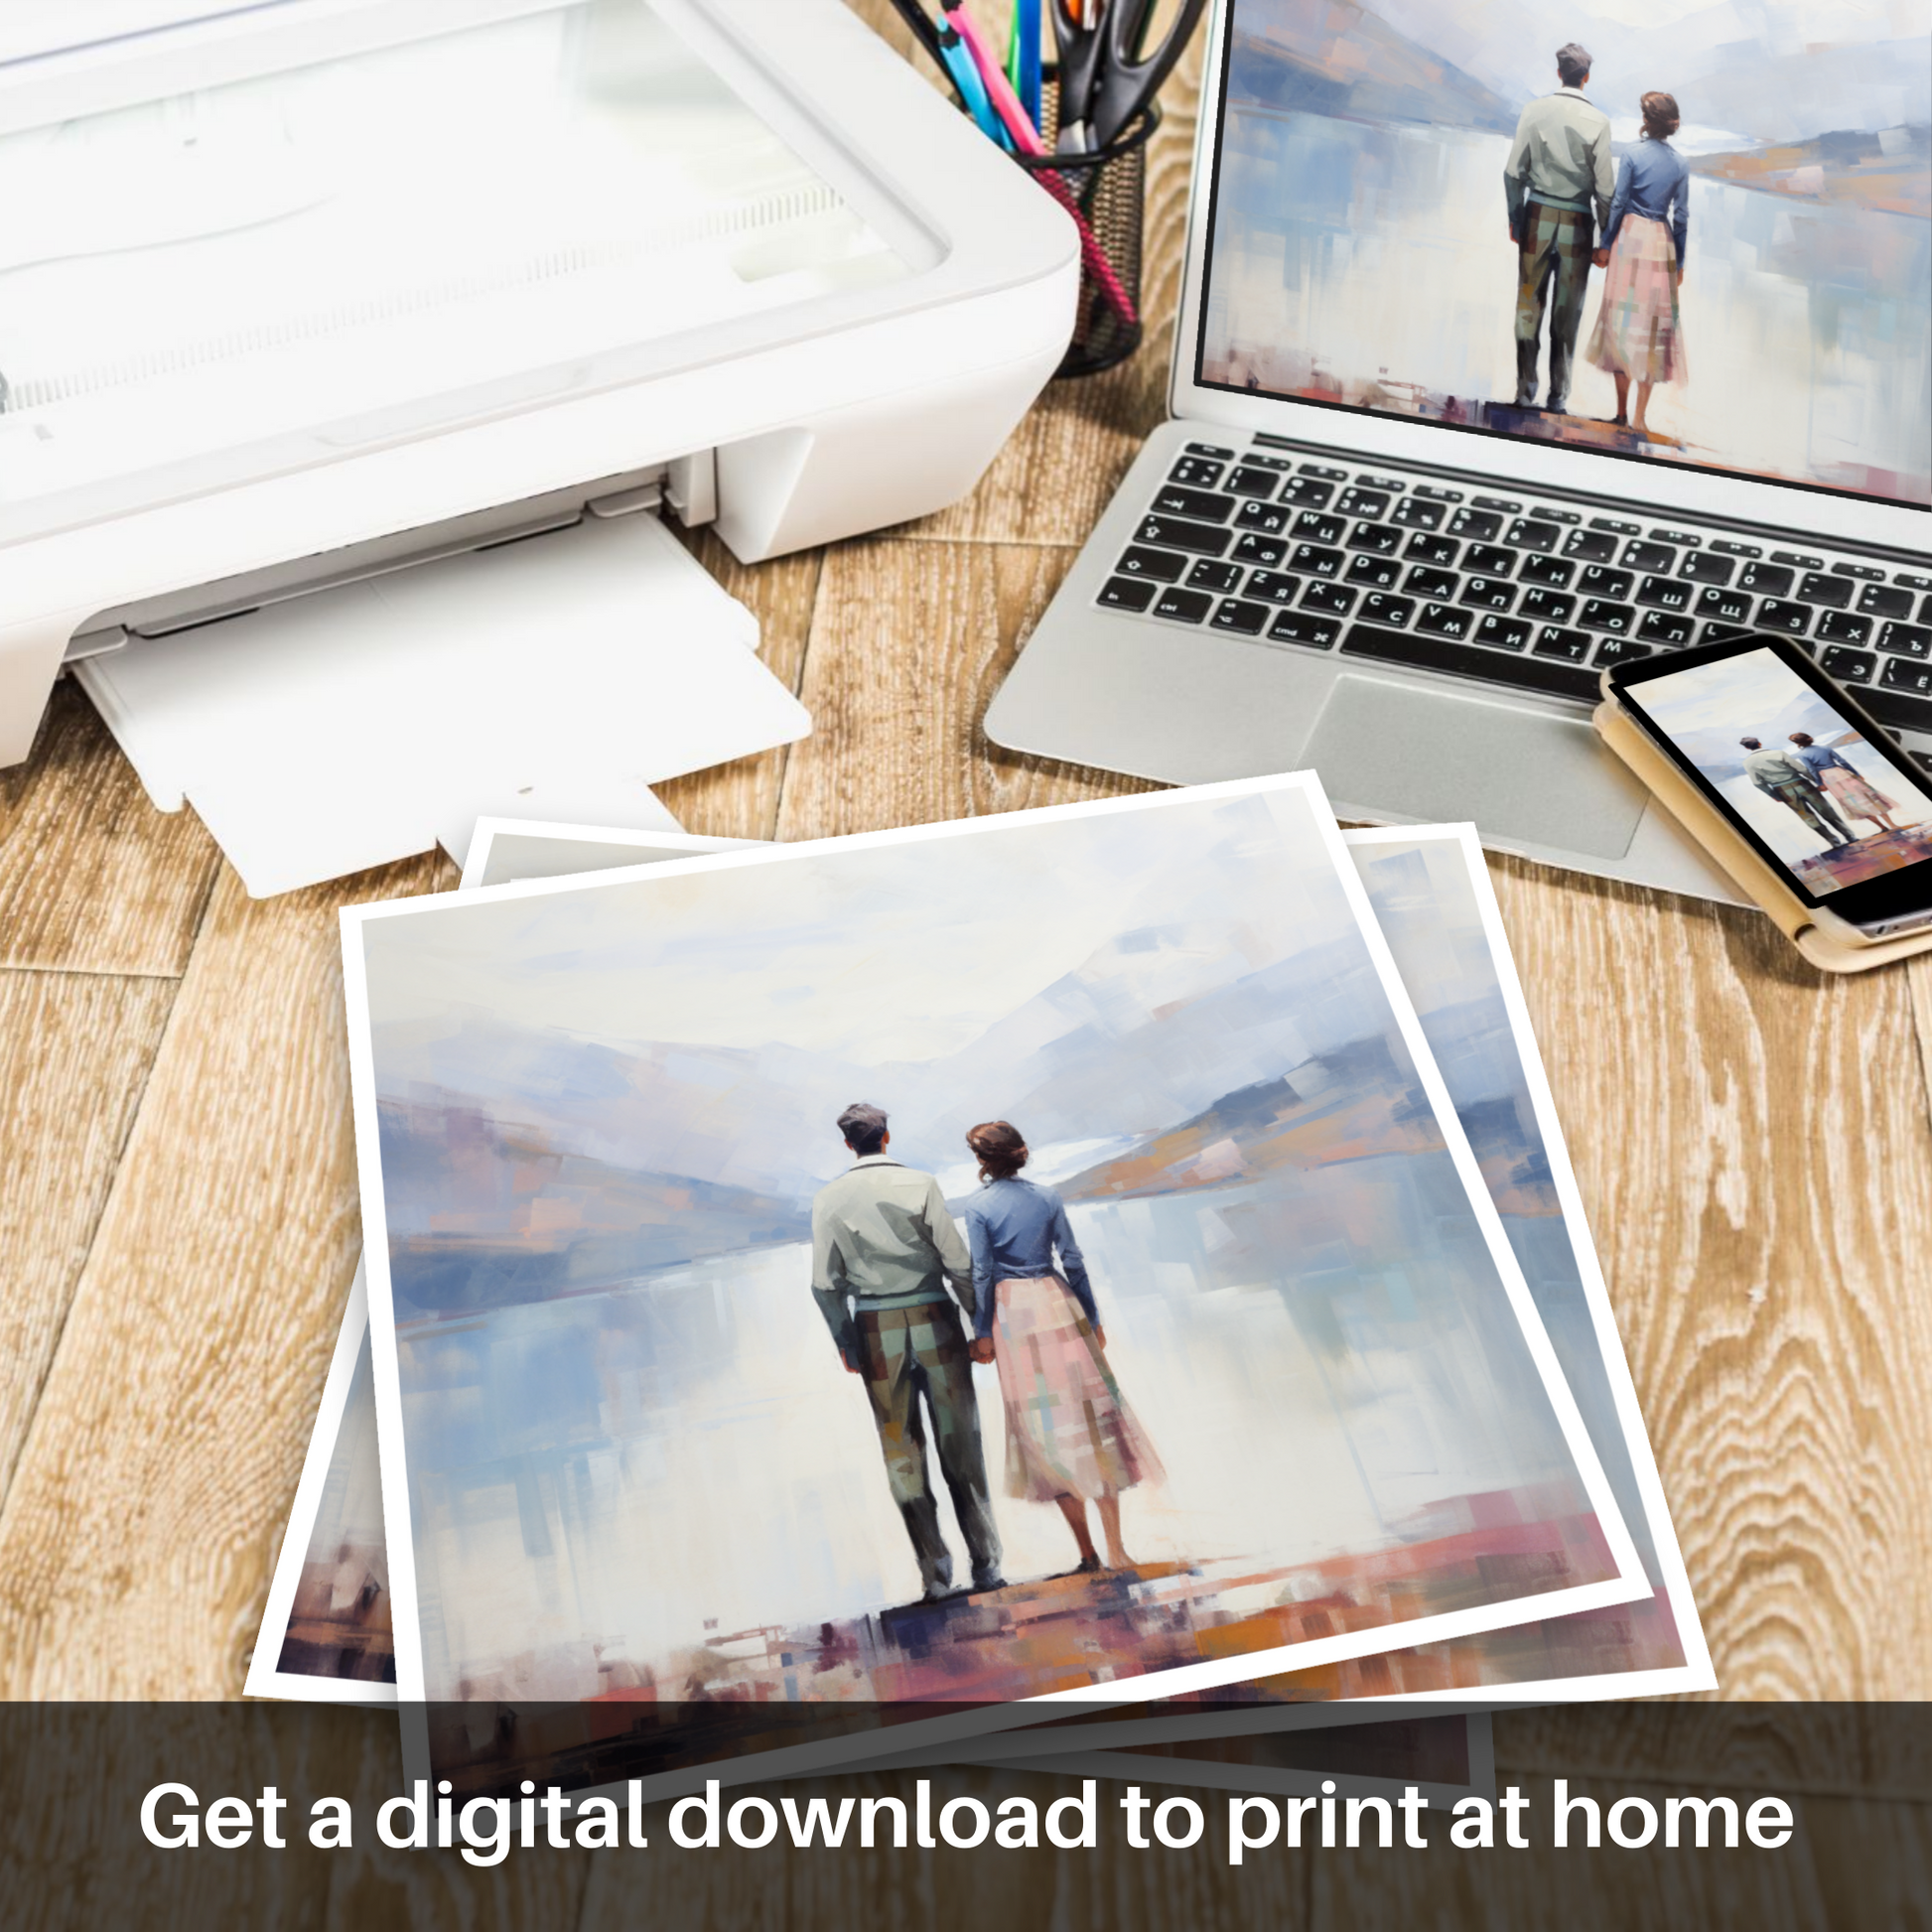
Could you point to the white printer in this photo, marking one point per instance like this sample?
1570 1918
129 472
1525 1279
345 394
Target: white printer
309 308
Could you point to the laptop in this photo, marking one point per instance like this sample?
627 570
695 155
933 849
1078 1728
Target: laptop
1353 548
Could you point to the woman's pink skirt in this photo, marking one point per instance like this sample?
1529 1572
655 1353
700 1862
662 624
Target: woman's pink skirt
1855 794
1638 332
1069 1432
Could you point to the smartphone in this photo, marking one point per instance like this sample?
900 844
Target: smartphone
1794 763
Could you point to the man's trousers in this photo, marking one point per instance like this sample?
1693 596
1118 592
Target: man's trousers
1552 266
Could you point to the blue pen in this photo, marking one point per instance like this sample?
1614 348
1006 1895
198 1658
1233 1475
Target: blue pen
972 89
1026 77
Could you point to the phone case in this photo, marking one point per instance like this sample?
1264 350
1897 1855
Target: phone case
1758 881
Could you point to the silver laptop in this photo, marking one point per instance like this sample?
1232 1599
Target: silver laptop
1353 548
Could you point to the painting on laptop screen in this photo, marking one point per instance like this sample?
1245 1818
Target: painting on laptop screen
1655 228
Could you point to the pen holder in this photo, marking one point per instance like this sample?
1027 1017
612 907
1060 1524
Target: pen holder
1105 190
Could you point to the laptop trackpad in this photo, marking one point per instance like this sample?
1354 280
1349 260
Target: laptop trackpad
1433 756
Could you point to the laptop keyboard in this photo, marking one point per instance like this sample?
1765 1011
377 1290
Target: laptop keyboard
1528 595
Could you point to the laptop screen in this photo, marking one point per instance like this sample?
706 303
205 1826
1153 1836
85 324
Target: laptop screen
1415 212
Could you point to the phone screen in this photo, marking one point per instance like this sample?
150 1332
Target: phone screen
1814 786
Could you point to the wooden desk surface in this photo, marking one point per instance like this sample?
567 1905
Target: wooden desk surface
178 1214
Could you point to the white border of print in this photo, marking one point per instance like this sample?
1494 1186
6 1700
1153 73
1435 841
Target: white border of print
1628 1584
265 1677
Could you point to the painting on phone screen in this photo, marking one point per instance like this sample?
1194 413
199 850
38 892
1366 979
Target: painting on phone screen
1835 809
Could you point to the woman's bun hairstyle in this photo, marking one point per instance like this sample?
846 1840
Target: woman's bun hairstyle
999 1146
1660 119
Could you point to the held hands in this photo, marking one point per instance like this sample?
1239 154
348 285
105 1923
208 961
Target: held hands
1601 257
982 1349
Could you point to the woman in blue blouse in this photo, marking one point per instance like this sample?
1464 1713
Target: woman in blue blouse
1638 334
1070 1436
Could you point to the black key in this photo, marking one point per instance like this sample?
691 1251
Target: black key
1797 560
1531 533
1305 493
1314 561
1161 565
1314 528
1894 708
1489 560
1848 666
1912 581
1650 556
1325 471
1727 607
1776 614
1433 654
1184 607
1253 549
1551 571
1900 674
1455 496
1276 586
1363 503
1592 546
1618 650
1445 621
1572 645
1298 628
1508 505
1208 575
1838 627
1279 464
1379 573
1328 597
1925 612
1906 640
1413 514
1730 549
1127 593
1390 484
1677 536
1430 583
1766 579
1196 471
1546 606
1382 538
1247 481
1392 610
1203 539
1600 614
1700 568
1210 449
1481 524
1554 516
1598 582
1487 595
1665 628
1834 592
1269 518
1665 593
1503 634
1432 550
1877 603
1866 573
1615 527
1235 614
1723 633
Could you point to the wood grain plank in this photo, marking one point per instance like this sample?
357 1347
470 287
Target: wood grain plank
909 642
740 800
136 1538
1760 1180
1851 1868
92 878
75 1054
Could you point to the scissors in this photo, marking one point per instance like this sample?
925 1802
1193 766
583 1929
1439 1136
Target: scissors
1107 76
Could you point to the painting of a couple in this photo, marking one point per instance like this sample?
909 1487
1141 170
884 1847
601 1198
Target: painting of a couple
886 1249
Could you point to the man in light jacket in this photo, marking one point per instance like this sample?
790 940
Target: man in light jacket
885 1246
1559 183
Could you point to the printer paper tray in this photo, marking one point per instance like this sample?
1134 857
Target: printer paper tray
555 677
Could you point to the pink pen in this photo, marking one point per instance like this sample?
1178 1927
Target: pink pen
1025 138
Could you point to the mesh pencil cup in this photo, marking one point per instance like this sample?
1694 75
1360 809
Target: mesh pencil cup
1105 193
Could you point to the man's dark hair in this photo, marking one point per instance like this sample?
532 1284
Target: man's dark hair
1801 737
1573 64
1751 744
864 1127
